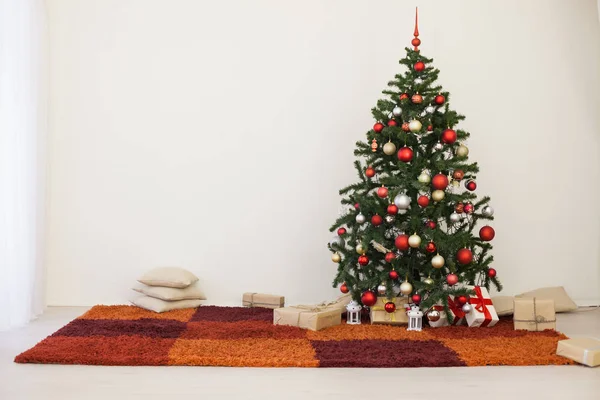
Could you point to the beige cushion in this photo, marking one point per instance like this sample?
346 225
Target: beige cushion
174 277
159 306
562 301
504 305
191 292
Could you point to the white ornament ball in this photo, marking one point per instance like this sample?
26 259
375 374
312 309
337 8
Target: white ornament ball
361 219
487 211
406 288
337 243
390 218
462 151
336 258
415 126
424 178
438 261
397 111
430 109
360 249
402 201
414 241
438 146
454 217
389 148
438 195
381 289
467 308
418 81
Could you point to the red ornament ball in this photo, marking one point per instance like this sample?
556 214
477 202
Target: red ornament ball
459 207
389 257
382 192
416 298
431 224
394 275
392 122
390 307
417 98
430 247
403 96
471 185
363 260
487 233
342 231
368 298
401 242
356 206
492 273
464 256
462 299
429 128
423 201
392 209
439 100
405 127
449 136
378 127
370 172
469 208
405 154
458 174
344 288
419 66
439 182
452 279
376 220
415 42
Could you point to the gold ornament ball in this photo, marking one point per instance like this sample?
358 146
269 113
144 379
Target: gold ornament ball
406 288
438 261
433 315
389 148
360 249
428 281
424 178
336 258
415 126
462 151
414 241
438 195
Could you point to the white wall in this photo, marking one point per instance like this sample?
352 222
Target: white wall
215 136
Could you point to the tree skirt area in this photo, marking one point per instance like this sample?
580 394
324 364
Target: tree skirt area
246 337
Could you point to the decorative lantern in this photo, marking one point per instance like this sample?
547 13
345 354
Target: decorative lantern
353 315
415 318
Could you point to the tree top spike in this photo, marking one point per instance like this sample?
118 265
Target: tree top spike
416 41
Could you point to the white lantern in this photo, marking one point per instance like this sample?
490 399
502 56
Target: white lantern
353 314
415 318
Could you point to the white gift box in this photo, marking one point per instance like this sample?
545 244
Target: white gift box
483 312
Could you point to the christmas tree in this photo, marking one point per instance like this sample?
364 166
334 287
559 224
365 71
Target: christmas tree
411 225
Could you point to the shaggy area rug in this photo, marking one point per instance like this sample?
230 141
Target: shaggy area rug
246 337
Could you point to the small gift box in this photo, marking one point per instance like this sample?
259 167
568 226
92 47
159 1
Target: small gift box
443 321
313 317
583 350
531 314
262 300
380 316
483 312
458 315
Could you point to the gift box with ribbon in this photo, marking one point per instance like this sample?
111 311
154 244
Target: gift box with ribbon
583 350
314 317
262 300
483 312
458 315
380 316
532 314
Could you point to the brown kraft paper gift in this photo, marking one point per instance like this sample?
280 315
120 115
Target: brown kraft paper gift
262 300
312 317
583 350
398 317
532 314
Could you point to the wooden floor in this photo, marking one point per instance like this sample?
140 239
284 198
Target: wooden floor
54 382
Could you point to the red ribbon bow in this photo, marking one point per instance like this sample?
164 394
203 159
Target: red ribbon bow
481 304
456 310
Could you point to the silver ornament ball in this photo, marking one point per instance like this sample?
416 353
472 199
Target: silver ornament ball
390 218
418 81
397 111
433 315
454 217
337 243
361 219
381 289
467 308
487 211
402 201
438 146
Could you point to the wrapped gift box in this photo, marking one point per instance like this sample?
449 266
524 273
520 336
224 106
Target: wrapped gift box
311 317
380 316
262 300
531 314
458 315
583 350
483 313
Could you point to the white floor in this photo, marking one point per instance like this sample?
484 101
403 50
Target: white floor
49 382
